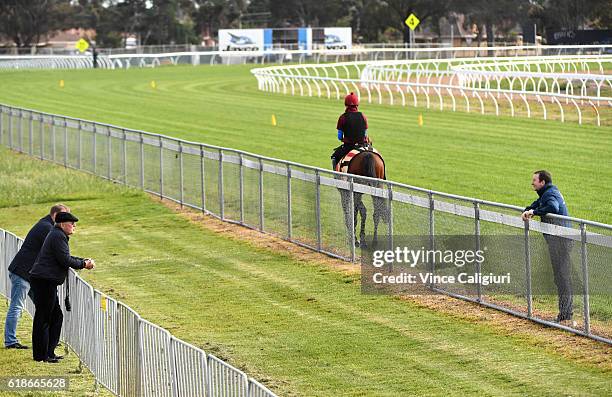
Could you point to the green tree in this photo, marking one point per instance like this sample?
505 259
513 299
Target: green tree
211 15
573 14
26 22
428 11
306 12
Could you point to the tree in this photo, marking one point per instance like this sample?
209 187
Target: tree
398 10
27 21
306 12
500 14
573 14
211 15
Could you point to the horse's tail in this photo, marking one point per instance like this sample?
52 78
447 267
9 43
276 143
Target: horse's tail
369 165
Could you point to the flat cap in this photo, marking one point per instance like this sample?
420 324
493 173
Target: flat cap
65 217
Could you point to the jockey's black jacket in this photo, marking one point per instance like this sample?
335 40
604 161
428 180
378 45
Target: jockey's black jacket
25 258
55 259
354 128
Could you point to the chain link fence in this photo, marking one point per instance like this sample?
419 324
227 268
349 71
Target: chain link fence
308 206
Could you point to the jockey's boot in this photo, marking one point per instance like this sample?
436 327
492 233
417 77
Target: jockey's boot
334 163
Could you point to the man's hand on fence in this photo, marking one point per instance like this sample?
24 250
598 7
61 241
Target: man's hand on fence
89 263
527 215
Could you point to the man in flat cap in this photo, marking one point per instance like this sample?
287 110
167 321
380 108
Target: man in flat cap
49 271
19 273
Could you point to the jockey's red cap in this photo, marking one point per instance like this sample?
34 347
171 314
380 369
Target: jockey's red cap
351 100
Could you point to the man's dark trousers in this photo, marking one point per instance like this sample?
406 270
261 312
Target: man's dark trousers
47 319
559 249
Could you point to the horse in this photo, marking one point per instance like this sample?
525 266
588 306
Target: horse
368 164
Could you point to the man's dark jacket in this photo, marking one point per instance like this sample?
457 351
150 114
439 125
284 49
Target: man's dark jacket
550 202
25 258
54 259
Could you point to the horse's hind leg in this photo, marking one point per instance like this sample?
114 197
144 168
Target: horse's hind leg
363 212
355 212
379 213
376 217
344 197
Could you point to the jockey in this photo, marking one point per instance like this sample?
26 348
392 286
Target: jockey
352 129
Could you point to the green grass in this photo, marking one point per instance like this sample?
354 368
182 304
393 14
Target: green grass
480 156
19 363
300 327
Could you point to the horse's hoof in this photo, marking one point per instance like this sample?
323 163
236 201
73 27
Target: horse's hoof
356 243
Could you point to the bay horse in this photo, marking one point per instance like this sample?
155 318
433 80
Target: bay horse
368 164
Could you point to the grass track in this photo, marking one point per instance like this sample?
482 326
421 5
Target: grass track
481 156
19 363
300 327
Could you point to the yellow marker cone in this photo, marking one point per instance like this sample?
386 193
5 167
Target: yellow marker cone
153 85
61 83
420 120
274 120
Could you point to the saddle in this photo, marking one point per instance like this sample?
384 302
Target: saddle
343 164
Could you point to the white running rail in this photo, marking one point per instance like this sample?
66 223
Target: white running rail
551 86
115 61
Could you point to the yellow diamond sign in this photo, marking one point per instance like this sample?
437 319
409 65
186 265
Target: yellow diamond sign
412 21
82 45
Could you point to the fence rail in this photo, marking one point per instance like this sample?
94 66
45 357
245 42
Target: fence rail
561 84
163 57
160 49
129 355
304 205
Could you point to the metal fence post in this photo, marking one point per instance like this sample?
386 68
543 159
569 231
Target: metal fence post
10 129
182 196
139 374
585 279
351 217
80 130
528 269
53 139
390 214
241 181
432 241
203 178
261 196
31 133
65 142
142 162
161 167
95 139
1 124
477 234
42 136
318 207
115 346
289 212
173 377
20 131
124 163
220 187
109 155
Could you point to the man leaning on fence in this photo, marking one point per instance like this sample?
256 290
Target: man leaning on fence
550 201
49 271
19 270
